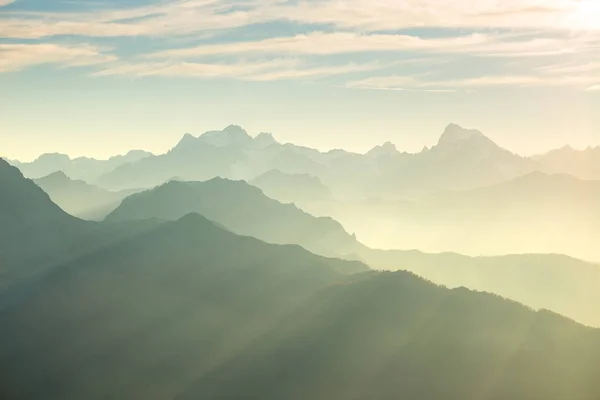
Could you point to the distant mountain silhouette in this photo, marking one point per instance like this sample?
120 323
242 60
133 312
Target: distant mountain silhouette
189 310
211 155
292 188
462 159
87 169
387 149
584 164
530 214
79 198
542 281
242 208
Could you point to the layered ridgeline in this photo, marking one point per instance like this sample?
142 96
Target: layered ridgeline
535 213
242 208
559 283
584 164
462 159
190 310
79 198
36 234
32 228
83 168
555 282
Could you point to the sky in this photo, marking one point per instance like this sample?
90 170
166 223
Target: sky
100 77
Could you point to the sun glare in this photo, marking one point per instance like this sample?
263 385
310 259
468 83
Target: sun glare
586 15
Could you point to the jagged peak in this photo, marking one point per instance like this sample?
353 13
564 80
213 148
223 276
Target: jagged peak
56 176
187 138
232 135
455 133
265 139
388 148
53 157
235 129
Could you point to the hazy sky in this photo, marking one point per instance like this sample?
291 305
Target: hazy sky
100 77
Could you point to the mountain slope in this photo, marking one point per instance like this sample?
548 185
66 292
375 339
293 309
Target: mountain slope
530 214
215 153
584 164
242 208
87 169
79 198
35 234
562 284
189 310
32 228
145 316
392 335
292 188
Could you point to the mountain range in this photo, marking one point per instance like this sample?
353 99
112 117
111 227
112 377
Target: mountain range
529 214
187 309
80 198
462 159
83 168
242 208
554 282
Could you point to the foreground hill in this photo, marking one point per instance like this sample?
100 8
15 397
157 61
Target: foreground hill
79 198
156 310
242 208
189 310
32 228
36 234
554 282
392 335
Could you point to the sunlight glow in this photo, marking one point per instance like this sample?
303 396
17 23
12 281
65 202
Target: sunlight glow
586 15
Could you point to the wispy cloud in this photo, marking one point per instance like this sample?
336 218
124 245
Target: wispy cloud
15 57
269 70
552 29
414 83
5 2
324 43
593 88
188 16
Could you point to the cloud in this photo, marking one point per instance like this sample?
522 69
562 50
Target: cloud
6 2
396 82
571 67
238 69
15 57
464 29
193 16
593 88
325 43
269 70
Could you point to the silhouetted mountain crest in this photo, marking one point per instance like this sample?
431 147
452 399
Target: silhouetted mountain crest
264 140
386 149
232 135
244 209
455 133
